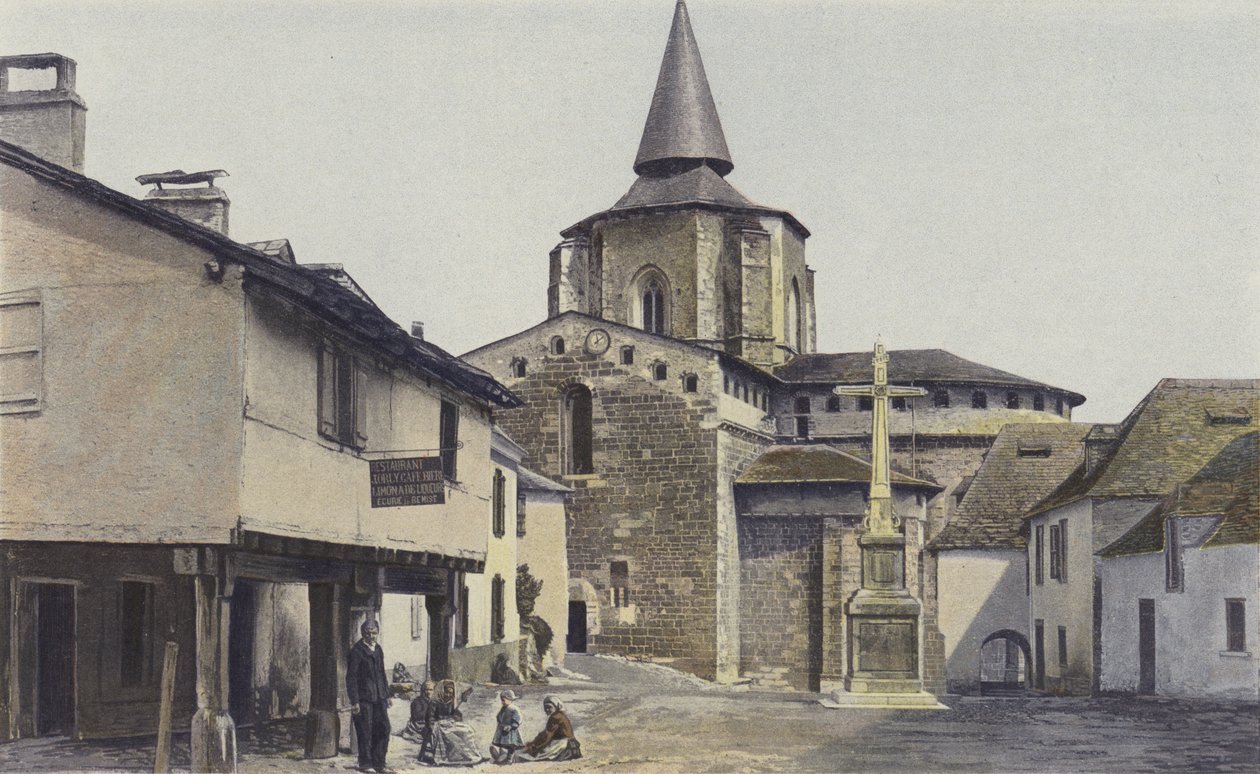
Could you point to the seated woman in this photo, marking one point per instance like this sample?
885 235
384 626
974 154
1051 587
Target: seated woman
454 743
556 741
419 728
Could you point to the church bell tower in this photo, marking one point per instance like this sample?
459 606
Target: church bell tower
683 253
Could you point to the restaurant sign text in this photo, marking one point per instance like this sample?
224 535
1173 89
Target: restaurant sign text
407 481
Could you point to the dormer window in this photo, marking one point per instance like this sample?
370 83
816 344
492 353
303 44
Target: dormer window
518 367
1033 450
557 345
1238 416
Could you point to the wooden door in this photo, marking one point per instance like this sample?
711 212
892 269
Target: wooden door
1146 646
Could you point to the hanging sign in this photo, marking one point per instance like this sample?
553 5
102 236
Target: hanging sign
407 481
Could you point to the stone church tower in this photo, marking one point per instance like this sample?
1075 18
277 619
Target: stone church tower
684 253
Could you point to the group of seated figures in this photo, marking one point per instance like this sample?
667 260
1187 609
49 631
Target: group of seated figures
438 726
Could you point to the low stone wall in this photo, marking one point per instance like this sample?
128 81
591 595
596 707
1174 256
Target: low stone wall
473 664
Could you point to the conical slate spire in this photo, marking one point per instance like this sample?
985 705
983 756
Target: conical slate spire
682 127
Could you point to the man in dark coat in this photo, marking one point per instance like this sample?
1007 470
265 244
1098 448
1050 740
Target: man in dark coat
368 691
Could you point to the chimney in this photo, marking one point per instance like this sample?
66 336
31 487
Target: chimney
1100 441
47 122
204 206
417 330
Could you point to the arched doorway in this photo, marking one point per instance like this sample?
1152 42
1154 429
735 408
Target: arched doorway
1004 663
583 615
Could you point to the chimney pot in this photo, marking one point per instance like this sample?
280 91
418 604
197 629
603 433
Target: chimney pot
206 206
50 123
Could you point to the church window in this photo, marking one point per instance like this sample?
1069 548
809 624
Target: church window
498 496
578 434
1039 402
1173 578
557 345
802 427
653 302
1012 400
865 403
833 403
802 404
899 404
660 372
619 575
794 332
979 399
627 355
496 609
690 383
518 367
940 398
1236 625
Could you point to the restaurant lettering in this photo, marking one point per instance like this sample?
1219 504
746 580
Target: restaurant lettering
407 481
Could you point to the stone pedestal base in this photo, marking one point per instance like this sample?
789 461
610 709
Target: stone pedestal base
886 701
213 742
883 643
323 730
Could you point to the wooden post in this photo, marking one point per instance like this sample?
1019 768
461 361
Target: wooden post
162 760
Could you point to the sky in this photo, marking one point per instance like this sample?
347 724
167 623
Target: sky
1066 191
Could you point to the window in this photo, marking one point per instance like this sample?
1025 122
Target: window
342 398
461 630
899 404
417 617
659 372
1033 450
1063 646
940 398
520 514
1055 557
1238 416
1236 625
449 431
518 367
802 405
21 352
496 609
1173 578
1063 552
765 402
619 576
1038 553
865 403
726 384
136 646
1039 402
498 505
833 403
1012 400
652 306
627 355
743 391
578 431
690 383
802 427
557 345
979 399
1058 406
794 317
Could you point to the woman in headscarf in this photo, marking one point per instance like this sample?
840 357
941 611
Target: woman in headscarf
507 732
556 741
454 741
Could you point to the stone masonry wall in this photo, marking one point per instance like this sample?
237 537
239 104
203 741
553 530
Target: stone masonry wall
781 576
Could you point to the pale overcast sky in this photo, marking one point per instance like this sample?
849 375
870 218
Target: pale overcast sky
1067 191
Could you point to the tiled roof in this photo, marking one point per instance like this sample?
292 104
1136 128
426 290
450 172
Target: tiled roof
1172 433
815 463
904 366
1024 464
528 479
1228 487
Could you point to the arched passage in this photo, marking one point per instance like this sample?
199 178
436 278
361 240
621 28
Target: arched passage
1004 660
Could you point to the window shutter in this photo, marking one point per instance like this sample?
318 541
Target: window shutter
21 352
1063 544
360 406
327 392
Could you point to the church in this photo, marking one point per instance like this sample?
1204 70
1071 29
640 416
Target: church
719 482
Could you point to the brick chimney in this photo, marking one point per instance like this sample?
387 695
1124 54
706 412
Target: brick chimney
206 206
50 122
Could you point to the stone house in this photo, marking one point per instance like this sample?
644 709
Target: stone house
1179 616
1128 469
981 572
188 426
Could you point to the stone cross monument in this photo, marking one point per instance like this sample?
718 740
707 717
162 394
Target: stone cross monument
882 616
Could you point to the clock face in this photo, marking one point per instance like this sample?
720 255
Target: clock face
597 341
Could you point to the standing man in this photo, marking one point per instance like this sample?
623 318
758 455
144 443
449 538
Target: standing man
368 691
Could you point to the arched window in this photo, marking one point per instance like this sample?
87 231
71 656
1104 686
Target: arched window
557 345
979 399
802 404
690 383
518 367
660 372
940 398
833 403
794 333
578 432
651 302
1012 400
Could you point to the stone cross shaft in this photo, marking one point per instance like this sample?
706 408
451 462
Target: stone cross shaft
881 518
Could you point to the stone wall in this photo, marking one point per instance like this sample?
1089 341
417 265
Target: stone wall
473 664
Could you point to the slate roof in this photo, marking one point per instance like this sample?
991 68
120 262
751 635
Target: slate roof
683 120
698 185
918 366
816 463
528 479
1172 433
1008 482
320 295
1228 487
280 249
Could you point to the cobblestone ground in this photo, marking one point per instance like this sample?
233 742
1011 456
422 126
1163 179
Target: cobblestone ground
636 717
